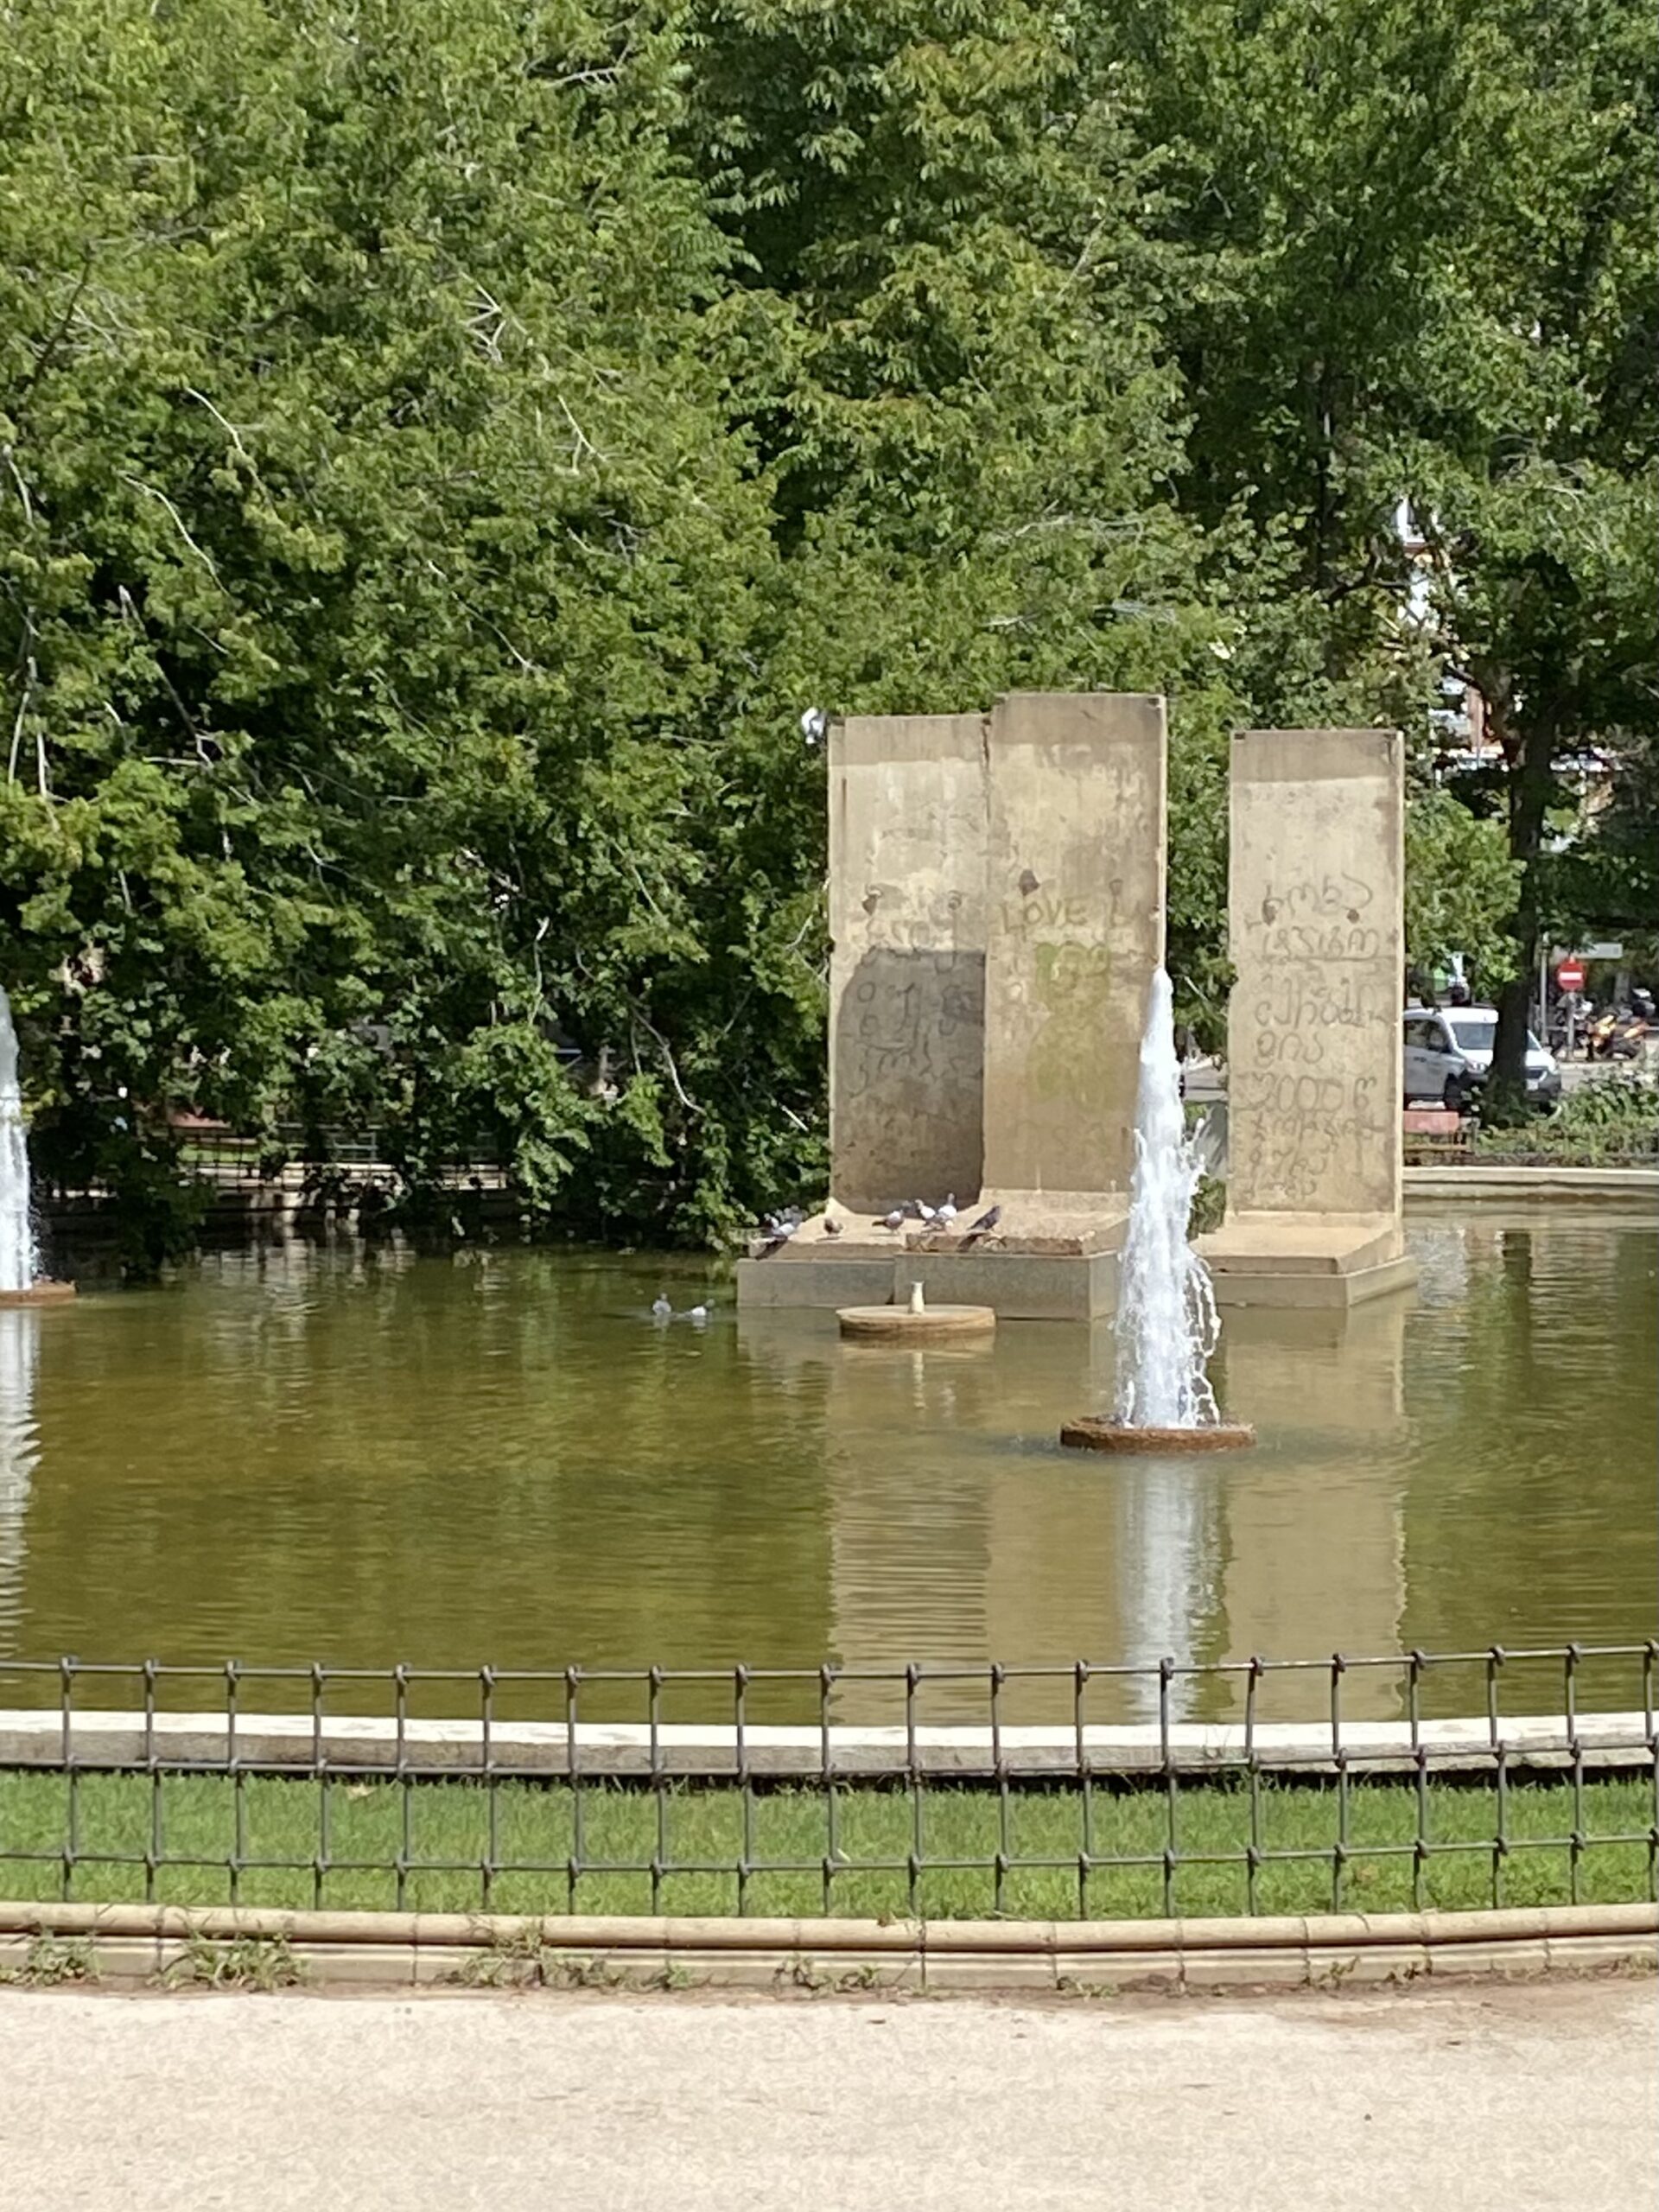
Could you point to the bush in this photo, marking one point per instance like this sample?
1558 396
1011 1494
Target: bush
1615 1118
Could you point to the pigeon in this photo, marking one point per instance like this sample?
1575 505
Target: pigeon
779 1229
986 1223
696 1315
792 1216
925 1214
831 1227
661 1308
893 1220
814 723
947 1212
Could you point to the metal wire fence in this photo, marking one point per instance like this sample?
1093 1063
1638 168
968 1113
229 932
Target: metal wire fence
250 1785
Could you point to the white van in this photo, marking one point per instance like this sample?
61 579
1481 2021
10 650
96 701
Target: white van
1449 1056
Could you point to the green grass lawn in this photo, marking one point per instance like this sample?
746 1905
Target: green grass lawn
531 1831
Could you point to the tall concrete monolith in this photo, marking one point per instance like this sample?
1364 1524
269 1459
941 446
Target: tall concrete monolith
996 910
1317 934
907 959
1074 929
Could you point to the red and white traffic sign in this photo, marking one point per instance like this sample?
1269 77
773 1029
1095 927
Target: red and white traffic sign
1570 975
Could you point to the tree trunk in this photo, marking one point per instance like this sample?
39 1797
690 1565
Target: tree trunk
1531 778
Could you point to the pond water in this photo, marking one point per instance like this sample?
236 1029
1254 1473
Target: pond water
347 1452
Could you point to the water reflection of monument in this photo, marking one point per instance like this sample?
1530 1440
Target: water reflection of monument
1024 852
19 1452
1315 1520
958 1534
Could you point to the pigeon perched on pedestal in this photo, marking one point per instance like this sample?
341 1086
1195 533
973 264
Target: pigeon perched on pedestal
831 1227
947 1212
986 1223
893 1220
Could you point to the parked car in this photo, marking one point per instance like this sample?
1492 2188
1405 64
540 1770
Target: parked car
1449 1055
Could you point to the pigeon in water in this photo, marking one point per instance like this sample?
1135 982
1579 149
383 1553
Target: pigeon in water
696 1315
661 1308
986 1223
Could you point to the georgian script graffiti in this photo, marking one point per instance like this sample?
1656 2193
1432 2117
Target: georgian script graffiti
1295 1131
1315 919
1302 1017
1333 897
893 917
1316 995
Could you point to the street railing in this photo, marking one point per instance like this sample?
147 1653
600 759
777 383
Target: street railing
496 1789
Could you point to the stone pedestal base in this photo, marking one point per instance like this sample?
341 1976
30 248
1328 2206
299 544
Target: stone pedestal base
902 1325
44 1293
1016 1286
1290 1260
1088 1434
1047 1269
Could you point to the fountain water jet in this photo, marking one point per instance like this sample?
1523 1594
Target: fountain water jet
19 1284
1167 1326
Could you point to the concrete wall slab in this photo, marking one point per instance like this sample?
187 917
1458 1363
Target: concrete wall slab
1318 942
1074 928
908 960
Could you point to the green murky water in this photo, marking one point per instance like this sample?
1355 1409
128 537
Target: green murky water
354 1455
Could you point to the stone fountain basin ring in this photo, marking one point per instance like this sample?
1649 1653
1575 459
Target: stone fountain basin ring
1087 1433
897 1324
43 1293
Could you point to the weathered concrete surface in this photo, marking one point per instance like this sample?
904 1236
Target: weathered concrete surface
1524 2098
1317 933
1074 928
1019 1285
1022 1285
907 816
956 1065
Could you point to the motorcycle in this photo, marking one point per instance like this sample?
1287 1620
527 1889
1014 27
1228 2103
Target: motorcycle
1617 1034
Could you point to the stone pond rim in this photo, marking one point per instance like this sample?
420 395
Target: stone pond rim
38 1294
1090 1434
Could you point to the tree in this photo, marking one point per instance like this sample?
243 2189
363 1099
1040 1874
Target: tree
1421 238
1536 464
376 582
945 340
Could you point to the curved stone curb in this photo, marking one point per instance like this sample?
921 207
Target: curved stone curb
348 1745
55 1943
1463 1181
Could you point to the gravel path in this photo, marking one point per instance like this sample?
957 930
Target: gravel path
1501 2096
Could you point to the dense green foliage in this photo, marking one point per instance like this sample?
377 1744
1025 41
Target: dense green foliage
445 445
